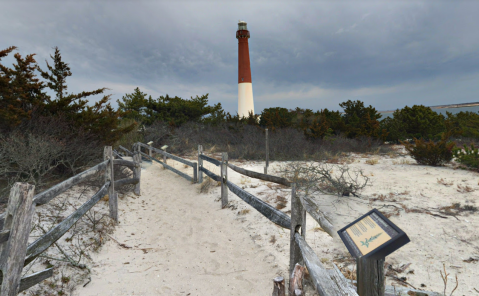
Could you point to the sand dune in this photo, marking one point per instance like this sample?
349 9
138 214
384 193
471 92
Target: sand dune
177 241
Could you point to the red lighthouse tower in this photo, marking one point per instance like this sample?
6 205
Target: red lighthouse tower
245 85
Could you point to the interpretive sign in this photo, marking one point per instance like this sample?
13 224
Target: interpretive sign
373 236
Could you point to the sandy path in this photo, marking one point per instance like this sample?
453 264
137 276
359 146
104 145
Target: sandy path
182 243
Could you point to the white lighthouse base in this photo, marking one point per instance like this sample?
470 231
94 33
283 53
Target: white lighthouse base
245 99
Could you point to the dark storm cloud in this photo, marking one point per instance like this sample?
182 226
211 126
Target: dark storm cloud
309 54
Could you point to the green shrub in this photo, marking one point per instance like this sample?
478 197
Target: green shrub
361 121
467 122
468 157
431 153
417 121
275 118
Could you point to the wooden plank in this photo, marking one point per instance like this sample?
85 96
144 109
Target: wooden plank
45 241
109 177
137 171
126 181
2 219
296 279
138 150
126 150
276 216
267 153
35 278
49 194
126 163
117 154
171 168
320 277
19 221
224 178
187 162
370 276
200 164
278 289
195 173
260 176
341 281
211 175
298 222
313 209
210 159
4 235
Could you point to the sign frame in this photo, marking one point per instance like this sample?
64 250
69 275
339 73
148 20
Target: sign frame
398 237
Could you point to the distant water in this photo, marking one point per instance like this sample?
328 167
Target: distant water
441 111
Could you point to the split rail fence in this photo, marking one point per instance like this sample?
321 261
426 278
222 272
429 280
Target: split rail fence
15 222
328 282
15 253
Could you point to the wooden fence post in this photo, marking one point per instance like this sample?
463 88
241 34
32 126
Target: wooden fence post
298 220
296 280
137 170
224 178
200 164
18 221
149 150
267 154
138 149
109 176
195 173
164 156
370 277
278 289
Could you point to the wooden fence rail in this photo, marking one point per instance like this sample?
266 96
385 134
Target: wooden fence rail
177 158
126 150
150 148
54 234
117 154
267 210
15 222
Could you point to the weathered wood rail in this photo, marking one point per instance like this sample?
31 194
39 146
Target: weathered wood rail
328 282
126 150
15 222
166 155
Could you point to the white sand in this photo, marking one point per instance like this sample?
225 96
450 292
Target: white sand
182 243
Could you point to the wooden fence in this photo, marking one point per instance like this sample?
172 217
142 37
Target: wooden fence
328 282
166 155
15 222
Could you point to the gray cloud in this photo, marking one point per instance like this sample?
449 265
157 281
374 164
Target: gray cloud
310 54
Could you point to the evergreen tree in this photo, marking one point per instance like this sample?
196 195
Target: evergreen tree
135 107
20 91
277 117
361 121
99 119
216 118
177 111
418 122
467 122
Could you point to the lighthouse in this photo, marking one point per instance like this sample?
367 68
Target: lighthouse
245 86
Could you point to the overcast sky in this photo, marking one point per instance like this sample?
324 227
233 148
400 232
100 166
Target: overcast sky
308 54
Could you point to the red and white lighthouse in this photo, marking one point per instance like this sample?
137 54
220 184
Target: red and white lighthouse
245 86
